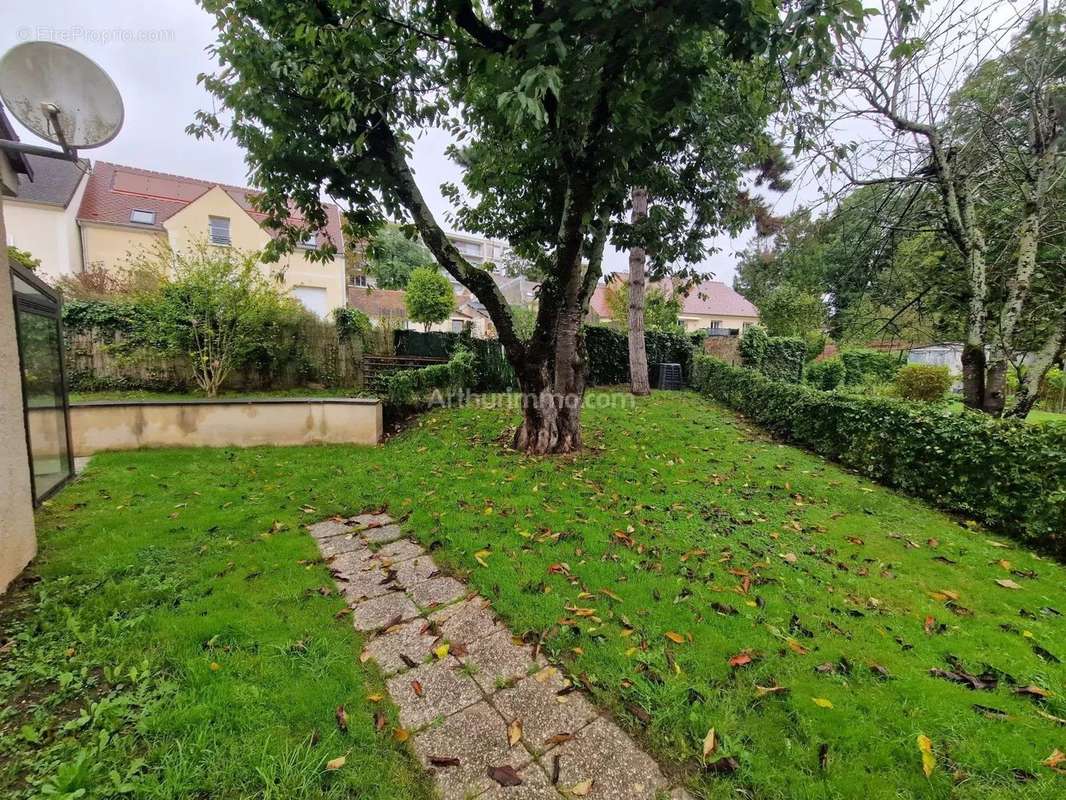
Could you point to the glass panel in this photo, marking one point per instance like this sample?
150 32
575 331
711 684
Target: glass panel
45 413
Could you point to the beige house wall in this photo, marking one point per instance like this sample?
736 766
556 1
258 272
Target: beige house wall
49 232
18 539
190 225
110 247
697 322
224 423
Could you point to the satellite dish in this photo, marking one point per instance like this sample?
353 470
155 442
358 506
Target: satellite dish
61 95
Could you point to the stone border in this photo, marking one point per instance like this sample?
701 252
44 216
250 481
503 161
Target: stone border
475 699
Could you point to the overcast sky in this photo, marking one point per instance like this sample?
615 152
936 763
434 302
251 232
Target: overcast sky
154 51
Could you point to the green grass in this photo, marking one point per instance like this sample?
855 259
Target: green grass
675 506
1035 417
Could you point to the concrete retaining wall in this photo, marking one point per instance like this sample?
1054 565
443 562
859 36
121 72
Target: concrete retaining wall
127 425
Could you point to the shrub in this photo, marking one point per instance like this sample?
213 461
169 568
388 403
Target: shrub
1006 474
778 357
492 372
825 375
429 297
410 386
607 353
924 382
354 325
863 366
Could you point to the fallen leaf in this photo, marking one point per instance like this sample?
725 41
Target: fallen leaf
675 637
379 721
559 738
342 718
723 766
1055 760
1032 691
1007 583
401 734
442 651
416 687
375 698
581 789
925 745
797 648
481 555
505 775
821 702
444 761
710 743
514 732
762 691
823 757
741 659
989 712
789 558
1052 717
215 666
336 763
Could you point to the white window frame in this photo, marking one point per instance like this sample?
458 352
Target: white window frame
310 243
136 211
220 241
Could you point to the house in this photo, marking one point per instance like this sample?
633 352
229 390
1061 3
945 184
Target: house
478 250
941 354
706 306
387 308
126 209
41 214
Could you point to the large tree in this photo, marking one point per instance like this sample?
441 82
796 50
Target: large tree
964 102
559 108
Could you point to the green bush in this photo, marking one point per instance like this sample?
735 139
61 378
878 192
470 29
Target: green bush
863 366
778 357
1003 473
411 386
925 382
492 371
825 375
607 353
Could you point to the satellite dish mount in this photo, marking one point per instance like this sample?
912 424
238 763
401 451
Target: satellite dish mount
62 96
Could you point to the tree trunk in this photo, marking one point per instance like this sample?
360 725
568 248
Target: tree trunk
995 389
1030 384
638 355
552 396
973 376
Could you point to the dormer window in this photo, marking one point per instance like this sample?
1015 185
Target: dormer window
218 230
311 242
142 217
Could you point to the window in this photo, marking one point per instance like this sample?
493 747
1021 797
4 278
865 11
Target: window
218 229
360 281
457 326
142 217
468 248
311 242
715 324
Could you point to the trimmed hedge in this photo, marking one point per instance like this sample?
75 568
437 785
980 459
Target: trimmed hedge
778 357
862 365
409 386
608 353
825 375
1006 474
927 383
492 371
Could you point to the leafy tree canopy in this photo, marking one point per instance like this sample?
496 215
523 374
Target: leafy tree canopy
393 255
429 297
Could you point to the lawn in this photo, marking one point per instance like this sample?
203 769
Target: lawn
690 572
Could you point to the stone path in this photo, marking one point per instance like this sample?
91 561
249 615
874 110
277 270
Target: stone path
477 702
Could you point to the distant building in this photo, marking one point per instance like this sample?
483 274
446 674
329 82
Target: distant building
41 215
941 354
387 308
707 306
478 250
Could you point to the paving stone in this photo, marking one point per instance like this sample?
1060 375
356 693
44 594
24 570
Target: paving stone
403 640
366 520
379 612
335 545
444 688
400 550
535 786
436 592
350 562
478 738
382 535
497 659
415 570
543 711
466 622
366 584
327 528
603 753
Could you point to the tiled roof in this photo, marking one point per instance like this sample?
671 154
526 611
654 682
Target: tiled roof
377 303
54 180
115 190
708 298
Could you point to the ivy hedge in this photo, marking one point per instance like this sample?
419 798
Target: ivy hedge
492 372
607 352
1003 473
408 387
778 357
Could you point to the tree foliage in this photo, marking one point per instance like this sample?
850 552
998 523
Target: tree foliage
392 256
661 310
429 297
557 111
